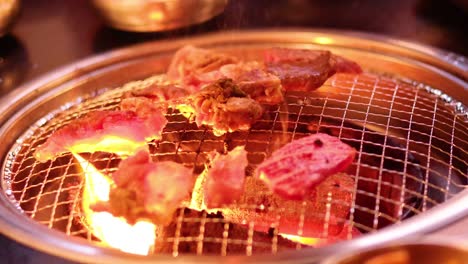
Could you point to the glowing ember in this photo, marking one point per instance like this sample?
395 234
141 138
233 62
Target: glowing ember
309 241
112 231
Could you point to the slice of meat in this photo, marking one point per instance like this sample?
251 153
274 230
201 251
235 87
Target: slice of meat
195 67
251 78
187 232
305 70
223 106
153 98
343 65
148 190
293 170
119 132
159 92
225 179
267 210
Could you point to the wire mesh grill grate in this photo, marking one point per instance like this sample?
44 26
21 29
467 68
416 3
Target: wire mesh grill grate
411 144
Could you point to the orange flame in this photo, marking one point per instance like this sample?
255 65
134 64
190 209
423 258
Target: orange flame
114 144
197 202
112 231
309 241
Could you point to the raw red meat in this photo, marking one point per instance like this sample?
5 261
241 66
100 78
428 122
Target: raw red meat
267 210
146 189
306 70
293 170
120 132
225 179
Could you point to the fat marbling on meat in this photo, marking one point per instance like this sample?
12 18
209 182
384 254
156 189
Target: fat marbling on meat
293 170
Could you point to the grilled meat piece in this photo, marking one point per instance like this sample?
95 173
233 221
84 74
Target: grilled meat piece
253 80
305 70
343 65
188 231
266 209
145 107
120 132
223 106
195 67
293 170
152 98
160 95
147 190
225 179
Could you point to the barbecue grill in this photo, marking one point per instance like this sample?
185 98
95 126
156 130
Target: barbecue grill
405 115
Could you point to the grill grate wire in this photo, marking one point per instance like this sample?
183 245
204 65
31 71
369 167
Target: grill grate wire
411 143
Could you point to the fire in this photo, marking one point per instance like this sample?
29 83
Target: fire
114 144
309 241
112 231
198 200
186 110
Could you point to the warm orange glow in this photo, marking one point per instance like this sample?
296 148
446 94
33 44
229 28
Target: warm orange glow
323 40
156 15
112 231
197 202
186 110
198 199
112 144
309 241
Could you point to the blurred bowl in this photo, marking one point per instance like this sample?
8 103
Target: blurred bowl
157 15
9 10
433 250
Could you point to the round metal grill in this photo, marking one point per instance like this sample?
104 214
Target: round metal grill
411 141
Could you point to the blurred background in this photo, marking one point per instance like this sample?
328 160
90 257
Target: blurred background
47 34
50 33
